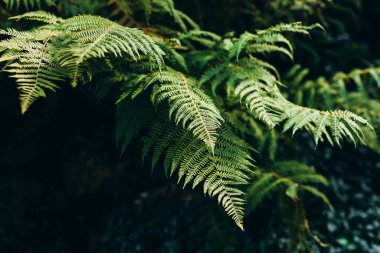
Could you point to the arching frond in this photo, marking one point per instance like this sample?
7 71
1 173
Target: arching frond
31 63
269 40
252 82
257 88
335 126
62 48
219 172
189 106
290 177
96 37
41 16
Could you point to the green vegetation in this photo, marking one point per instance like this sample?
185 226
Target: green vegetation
239 98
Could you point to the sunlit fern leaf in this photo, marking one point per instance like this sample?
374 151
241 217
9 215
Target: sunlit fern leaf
31 63
335 126
189 106
95 37
220 172
257 88
269 40
250 81
79 39
295 27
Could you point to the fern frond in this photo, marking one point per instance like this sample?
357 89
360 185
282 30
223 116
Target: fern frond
189 106
220 171
41 16
335 126
269 40
96 37
32 64
283 176
257 88
252 82
62 48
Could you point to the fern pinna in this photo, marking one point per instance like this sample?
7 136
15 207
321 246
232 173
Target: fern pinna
199 84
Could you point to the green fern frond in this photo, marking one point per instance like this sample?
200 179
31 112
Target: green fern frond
36 62
335 126
269 40
220 171
189 106
41 16
96 37
252 82
285 176
32 64
264 185
299 172
257 88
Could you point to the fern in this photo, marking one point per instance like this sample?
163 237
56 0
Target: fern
220 171
335 126
95 37
31 62
335 93
41 16
189 106
289 177
252 82
255 83
203 76
269 40
82 37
